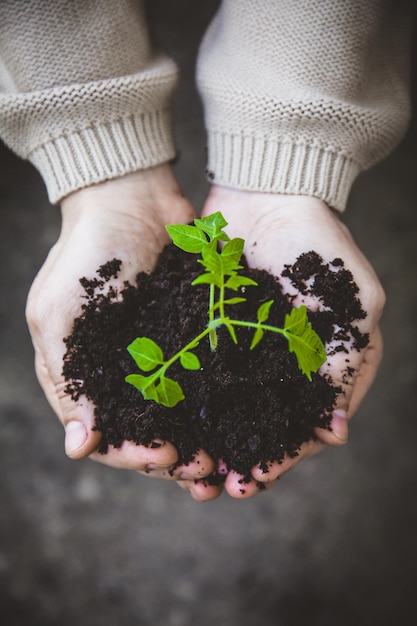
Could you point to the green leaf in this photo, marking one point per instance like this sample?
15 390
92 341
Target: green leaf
169 392
232 251
188 238
143 384
304 341
150 392
213 339
146 353
296 320
213 225
211 259
259 333
234 282
231 329
207 279
263 311
190 361
232 301
229 267
137 380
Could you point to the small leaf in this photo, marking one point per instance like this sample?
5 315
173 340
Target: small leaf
236 300
188 238
233 250
190 361
150 393
142 383
211 259
207 279
146 353
234 282
231 329
213 225
213 339
169 392
230 301
259 333
304 341
137 380
263 311
296 320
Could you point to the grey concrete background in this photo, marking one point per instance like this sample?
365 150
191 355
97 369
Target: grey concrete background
334 543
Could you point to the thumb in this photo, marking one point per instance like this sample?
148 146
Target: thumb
367 371
353 391
77 417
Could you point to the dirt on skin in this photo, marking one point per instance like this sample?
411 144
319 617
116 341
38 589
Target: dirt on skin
243 407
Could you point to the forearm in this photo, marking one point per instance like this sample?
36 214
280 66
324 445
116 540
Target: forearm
85 96
301 96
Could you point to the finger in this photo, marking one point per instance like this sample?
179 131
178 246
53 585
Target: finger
337 432
355 386
201 466
276 470
238 487
354 372
77 417
200 490
367 371
136 457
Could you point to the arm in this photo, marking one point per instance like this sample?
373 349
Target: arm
86 99
299 98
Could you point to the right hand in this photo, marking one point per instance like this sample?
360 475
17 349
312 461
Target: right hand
277 229
123 218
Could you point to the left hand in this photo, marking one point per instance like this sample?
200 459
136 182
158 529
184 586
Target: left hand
123 218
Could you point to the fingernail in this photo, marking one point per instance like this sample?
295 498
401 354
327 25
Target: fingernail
222 468
185 476
75 436
339 424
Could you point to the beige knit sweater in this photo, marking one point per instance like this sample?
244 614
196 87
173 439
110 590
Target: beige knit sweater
299 95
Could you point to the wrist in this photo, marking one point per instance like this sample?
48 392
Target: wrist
246 210
151 194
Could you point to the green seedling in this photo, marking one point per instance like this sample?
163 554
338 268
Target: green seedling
222 275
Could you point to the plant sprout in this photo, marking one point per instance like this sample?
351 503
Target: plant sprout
221 274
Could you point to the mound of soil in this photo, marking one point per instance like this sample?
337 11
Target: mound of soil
244 407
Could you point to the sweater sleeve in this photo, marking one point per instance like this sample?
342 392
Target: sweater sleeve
302 95
83 94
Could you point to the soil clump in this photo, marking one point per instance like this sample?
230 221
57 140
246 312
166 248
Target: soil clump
243 407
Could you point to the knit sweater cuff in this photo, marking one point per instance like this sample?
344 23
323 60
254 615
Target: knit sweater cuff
287 167
104 151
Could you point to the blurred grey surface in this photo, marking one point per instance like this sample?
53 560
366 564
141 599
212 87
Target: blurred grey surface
335 543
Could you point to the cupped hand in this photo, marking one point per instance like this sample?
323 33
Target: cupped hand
277 229
123 218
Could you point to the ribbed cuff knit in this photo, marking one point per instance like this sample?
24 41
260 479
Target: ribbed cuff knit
104 151
287 167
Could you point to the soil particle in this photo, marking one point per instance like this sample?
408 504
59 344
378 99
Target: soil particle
244 408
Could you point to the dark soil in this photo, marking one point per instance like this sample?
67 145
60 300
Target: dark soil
244 407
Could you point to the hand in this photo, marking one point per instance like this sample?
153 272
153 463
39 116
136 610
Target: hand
123 218
283 227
